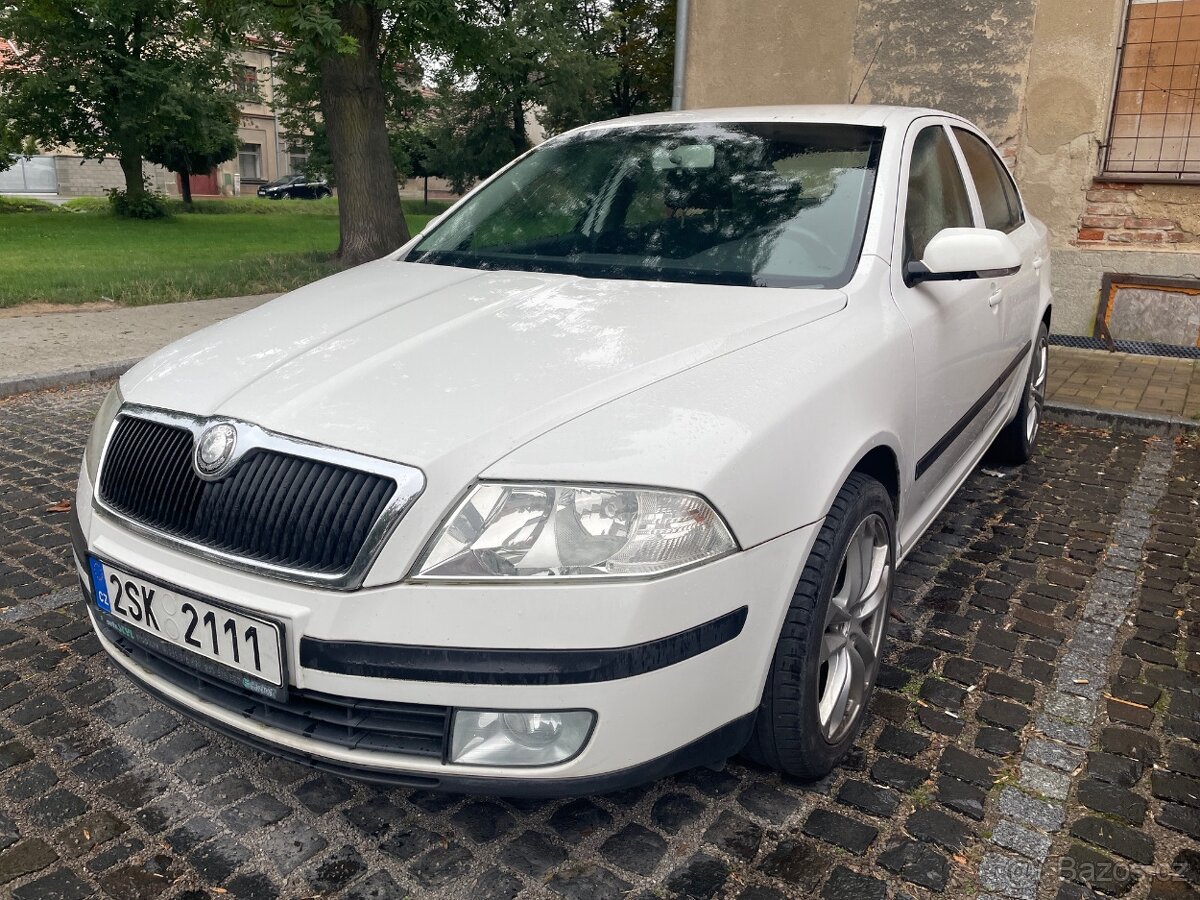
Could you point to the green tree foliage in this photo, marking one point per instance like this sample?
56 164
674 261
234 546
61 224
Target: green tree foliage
101 74
563 62
633 42
640 36
347 76
11 146
513 60
200 133
465 138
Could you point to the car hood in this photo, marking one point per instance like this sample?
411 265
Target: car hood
450 369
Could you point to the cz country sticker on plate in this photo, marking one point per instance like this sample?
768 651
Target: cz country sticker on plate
217 641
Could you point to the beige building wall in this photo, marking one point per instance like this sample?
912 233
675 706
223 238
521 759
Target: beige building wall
258 128
1038 75
768 51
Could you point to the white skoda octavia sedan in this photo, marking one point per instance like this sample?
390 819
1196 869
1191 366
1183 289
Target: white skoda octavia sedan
604 475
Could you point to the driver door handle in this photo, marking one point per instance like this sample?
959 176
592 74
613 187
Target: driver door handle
995 297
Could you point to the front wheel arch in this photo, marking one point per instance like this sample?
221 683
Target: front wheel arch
788 732
882 464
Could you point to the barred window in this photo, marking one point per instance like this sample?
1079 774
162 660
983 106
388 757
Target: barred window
1155 129
245 84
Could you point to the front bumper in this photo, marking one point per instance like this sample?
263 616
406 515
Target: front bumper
673 668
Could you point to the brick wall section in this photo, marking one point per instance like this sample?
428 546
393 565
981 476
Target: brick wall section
1111 216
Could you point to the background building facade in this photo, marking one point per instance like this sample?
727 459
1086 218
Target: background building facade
1092 102
263 155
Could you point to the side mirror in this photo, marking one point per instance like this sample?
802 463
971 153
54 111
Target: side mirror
961 254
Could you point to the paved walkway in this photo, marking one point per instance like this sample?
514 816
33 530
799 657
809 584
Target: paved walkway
1153 385
61 343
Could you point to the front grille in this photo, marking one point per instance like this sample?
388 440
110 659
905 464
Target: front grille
274 508
408 729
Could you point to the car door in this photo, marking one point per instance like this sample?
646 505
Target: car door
956 328
1001 208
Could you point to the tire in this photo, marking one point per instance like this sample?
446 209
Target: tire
795 731
1015 443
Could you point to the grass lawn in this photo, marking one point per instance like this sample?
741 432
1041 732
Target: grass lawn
79 256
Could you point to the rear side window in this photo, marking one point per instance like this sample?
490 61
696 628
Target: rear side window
997 193
937 195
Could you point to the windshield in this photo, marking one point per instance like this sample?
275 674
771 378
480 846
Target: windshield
779 204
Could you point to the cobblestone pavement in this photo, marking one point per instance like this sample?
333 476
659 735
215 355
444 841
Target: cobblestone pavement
1034 735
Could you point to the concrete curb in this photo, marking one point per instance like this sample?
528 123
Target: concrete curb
1139 422
23 384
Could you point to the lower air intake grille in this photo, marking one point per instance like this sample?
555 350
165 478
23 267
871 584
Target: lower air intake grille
409 729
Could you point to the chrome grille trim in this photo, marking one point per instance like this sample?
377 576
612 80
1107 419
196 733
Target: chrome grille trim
409 482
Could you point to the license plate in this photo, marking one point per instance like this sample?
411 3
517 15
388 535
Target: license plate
218 640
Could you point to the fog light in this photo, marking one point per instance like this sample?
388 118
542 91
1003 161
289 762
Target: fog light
489 738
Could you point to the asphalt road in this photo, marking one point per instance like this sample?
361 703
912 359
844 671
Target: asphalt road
1034 733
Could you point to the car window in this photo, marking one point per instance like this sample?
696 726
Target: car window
997 193
776 204
937 195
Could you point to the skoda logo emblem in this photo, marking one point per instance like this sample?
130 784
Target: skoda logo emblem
214 450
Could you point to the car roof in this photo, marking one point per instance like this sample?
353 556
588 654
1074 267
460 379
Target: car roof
839 114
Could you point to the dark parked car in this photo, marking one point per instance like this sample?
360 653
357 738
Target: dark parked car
296 187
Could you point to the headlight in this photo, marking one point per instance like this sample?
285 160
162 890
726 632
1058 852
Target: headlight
533 531
104 419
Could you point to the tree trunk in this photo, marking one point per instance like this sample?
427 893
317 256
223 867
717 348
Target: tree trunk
520 138
185 188
353 106
131 168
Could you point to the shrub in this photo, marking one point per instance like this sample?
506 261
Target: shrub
151 205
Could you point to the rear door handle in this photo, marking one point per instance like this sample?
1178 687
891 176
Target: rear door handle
995 297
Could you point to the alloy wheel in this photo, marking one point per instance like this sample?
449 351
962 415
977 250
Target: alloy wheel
854 626
1037 389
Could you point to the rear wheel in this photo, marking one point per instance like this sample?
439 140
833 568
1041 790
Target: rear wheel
1015 443
823 672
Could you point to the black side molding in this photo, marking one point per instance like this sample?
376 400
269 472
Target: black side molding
457 665
924 463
